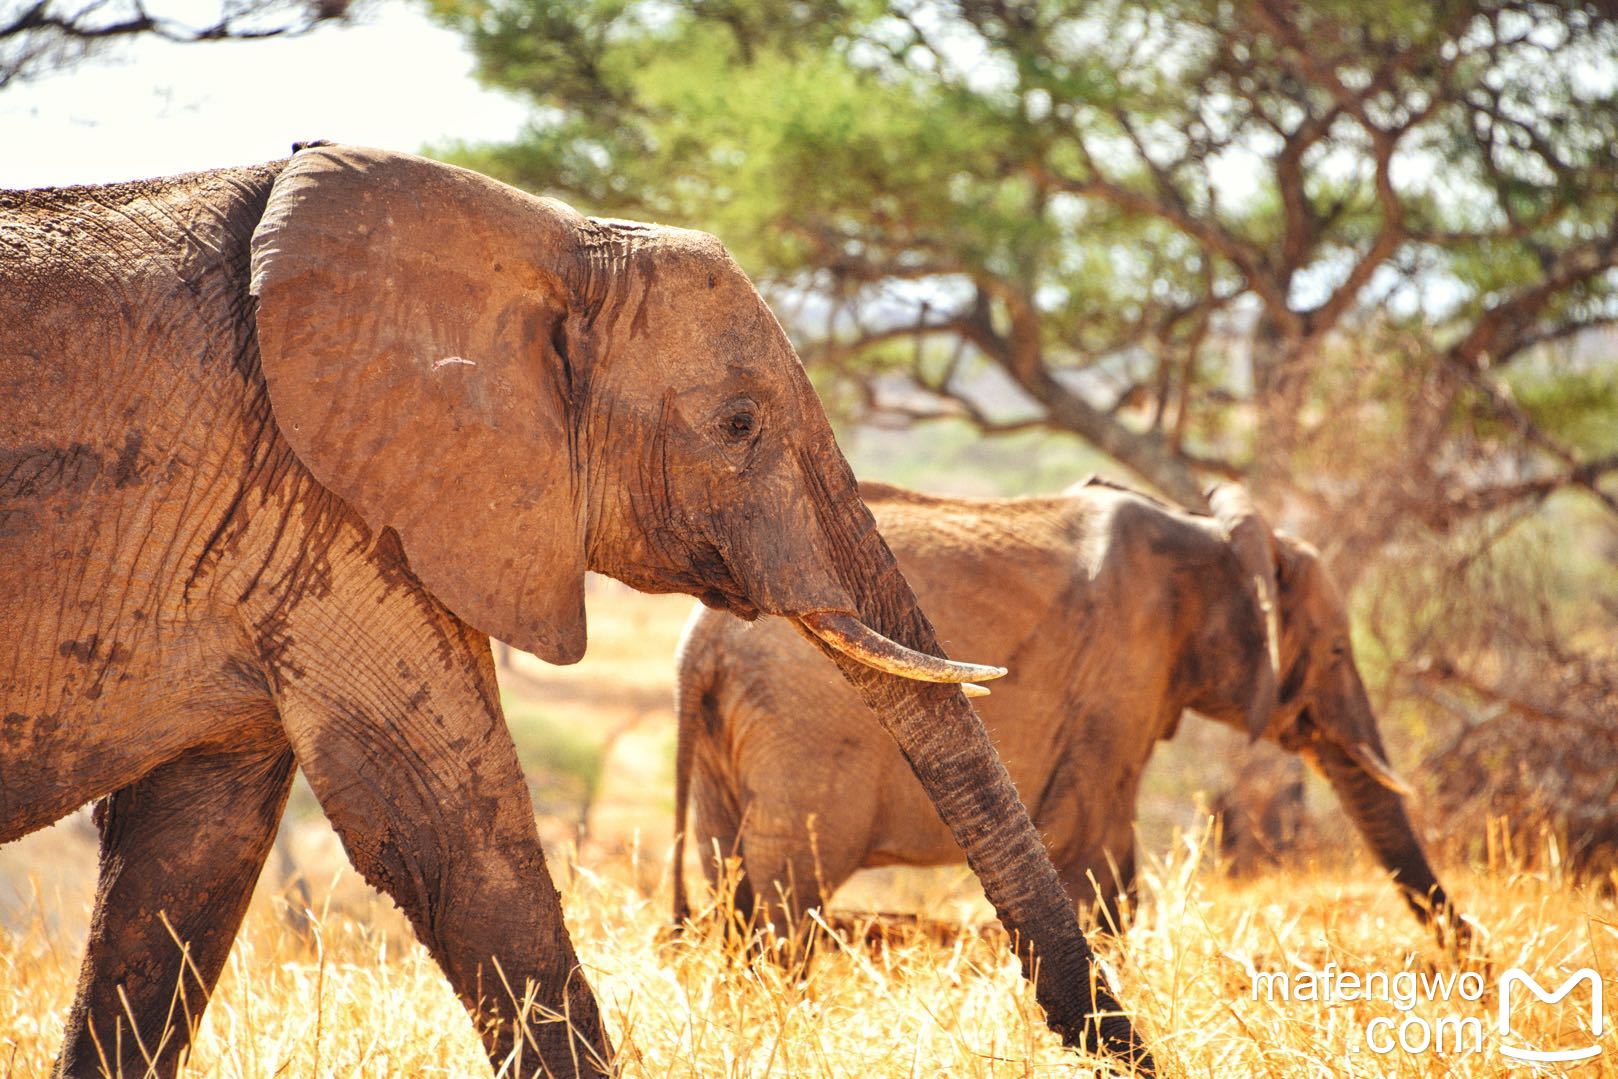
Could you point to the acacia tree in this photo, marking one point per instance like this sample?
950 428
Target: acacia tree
1147 217
40 36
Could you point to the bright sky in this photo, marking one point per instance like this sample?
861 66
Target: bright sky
394 81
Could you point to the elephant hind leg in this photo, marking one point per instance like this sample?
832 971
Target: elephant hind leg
716 835
797 852
181 851
763 878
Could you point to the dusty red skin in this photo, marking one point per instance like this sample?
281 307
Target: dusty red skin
276 439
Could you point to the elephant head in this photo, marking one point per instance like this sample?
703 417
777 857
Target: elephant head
1311 700
523 394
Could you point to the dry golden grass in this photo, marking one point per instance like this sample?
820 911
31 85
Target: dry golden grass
362 999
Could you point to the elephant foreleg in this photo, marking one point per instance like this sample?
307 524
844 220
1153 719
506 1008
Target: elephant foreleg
181 851
432 807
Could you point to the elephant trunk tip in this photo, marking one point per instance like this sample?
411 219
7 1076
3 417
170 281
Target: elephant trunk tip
1112 1034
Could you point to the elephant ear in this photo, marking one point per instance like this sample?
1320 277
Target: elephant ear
410 322
1254 546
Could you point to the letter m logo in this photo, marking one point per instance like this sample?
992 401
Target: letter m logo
1514 977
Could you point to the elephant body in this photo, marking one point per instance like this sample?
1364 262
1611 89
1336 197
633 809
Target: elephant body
189 612
1115 614
115 620
282 446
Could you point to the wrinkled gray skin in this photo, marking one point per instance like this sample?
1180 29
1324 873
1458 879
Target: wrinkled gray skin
279 448
1115 614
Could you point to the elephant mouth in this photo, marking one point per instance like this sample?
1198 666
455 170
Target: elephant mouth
717 585
721 593
730 603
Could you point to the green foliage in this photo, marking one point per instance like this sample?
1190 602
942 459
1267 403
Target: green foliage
1580 406
1201 234
749 126
1092 184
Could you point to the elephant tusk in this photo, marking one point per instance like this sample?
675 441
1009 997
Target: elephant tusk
1378 768
857 641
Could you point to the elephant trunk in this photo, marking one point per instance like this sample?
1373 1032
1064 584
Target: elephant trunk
949 750
1378 812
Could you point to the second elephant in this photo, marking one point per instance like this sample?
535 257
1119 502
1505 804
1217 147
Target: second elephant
1116 614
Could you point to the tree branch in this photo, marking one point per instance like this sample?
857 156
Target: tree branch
43 34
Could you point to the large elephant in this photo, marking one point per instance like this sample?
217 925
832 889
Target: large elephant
282 445
1116 614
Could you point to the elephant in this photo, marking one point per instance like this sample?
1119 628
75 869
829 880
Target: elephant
1116 614
284 445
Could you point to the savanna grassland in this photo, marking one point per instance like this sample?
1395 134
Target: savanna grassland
344 990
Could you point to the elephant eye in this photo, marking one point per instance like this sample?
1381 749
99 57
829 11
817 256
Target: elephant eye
740 425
